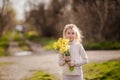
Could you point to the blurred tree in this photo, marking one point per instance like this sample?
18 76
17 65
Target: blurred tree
98 19
45 19
7 17
94 17
3 4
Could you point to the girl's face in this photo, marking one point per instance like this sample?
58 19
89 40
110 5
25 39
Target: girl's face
70 34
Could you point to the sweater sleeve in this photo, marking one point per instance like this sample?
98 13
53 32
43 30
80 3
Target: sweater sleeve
84 58
61 60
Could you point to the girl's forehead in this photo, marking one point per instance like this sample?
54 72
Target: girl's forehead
70 30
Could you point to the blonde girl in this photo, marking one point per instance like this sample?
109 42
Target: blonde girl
77 56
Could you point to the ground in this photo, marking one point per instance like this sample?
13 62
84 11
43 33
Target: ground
46 61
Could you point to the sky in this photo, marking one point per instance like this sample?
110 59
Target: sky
20 5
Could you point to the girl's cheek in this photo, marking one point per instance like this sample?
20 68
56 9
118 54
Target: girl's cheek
67 36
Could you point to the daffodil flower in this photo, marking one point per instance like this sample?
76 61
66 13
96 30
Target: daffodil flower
62 45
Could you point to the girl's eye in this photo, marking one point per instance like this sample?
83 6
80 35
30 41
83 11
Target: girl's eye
73 33
68 32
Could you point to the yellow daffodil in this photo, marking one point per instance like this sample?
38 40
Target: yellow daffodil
62 45
55 45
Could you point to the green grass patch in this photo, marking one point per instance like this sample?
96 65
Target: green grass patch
17 37
32 36
3 52
48 42
5 63
102 71
40 75
22 44
90 46
102 46
44 41
4 44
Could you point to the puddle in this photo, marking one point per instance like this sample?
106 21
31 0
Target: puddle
23 53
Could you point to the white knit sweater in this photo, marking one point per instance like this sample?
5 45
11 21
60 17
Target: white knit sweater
78 55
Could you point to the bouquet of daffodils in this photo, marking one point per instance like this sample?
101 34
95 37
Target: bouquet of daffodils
62 45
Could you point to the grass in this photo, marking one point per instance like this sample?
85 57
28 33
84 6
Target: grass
44 41
106 45
90 46
93 71
102 71
48 43
22 44
40 75
5 63
3 47
4 44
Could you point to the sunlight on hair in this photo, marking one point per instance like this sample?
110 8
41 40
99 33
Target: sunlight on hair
75 28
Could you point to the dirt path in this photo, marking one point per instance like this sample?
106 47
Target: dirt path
47 61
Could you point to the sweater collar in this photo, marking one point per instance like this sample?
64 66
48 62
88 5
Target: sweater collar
72 42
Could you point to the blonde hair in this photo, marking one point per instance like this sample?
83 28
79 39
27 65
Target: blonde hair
75 28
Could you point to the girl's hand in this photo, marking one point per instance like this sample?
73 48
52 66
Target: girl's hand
71 63
67 58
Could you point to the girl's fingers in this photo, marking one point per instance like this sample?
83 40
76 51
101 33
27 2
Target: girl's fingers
68 57
72 63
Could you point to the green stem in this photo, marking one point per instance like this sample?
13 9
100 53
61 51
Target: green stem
71 68
67 53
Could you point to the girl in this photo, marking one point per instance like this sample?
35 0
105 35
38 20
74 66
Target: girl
77 56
